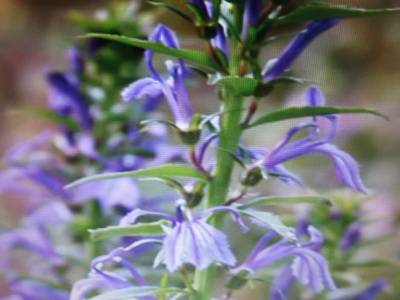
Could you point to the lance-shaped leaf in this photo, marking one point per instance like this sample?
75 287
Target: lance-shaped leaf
70 123
273 200
247 86
194 56
138 291
167 170
272 221
140 229
321 11
308 111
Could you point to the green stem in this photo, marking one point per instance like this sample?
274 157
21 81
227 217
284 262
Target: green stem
95 215
219 185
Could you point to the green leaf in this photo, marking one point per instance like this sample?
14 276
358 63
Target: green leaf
194 56
376 263
288 80
173 9
49 115
320 11
308 111
263 201
137 291
140 229
167 170
246 86
273 222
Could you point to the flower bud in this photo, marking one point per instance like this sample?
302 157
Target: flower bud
252 177
351 236
207 31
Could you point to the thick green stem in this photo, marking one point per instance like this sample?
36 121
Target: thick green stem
219 185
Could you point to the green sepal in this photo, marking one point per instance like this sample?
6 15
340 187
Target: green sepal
194 56
194 197
139 229
309 111
252 177
167 170
192 135
237 281
320 11
138 291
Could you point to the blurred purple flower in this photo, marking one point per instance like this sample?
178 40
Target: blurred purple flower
101 279
32 239
192 241
373 290
297 46
66 99
309 267
34 290
351 236
75 59
110 192
345 166
173 88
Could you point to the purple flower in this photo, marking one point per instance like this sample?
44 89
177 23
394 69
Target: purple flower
172 88
202 8
251 15
101 279
309 267
373 290
34 290
66 99
110 192
190 241
351 236
28 160
75 59
345 166
32 239
281 285
296 47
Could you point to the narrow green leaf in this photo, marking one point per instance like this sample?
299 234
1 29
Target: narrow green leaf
288 80
246 86
308 111
263 201
140 229
167 170
49 115
137 291
320 11
173 9
273 222
194 56
376 263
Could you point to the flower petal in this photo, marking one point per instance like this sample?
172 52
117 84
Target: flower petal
143 87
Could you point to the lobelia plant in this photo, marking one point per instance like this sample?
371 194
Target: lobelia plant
109 143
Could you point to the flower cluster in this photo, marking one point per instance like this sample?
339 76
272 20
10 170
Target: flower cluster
110 143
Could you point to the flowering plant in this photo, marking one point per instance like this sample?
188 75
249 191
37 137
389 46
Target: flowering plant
104 146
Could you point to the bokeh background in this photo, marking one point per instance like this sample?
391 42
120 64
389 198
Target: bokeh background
356 64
